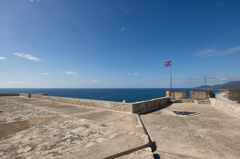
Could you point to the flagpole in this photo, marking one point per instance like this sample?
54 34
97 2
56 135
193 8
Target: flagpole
166 64
171 78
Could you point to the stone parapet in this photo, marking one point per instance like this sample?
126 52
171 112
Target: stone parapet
149 104
201 94
9 94
176 94
226 105
25 95
117 106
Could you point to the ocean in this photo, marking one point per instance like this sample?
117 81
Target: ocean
107 94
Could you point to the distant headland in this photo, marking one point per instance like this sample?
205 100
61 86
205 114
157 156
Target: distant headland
232 89
228 85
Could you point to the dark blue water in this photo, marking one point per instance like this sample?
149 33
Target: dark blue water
117 95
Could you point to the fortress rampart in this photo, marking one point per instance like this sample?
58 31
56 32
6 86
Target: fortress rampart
136 107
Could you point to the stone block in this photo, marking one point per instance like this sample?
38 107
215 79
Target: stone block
201 94
25 95
176 94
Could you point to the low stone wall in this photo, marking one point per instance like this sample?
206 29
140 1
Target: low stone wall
125 107
226 105
149 104
9 94
201 94
176 94
117 106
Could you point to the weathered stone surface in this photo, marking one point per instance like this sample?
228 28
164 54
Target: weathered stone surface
212 134
23 114
63 136
60 140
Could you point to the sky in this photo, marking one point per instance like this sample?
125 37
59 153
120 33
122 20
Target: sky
118 43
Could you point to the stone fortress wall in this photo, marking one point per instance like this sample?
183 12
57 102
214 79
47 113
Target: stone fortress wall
117 106
138 107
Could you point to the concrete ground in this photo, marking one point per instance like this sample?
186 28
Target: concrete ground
212 134
32 128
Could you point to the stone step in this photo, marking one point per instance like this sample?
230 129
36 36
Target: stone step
202 101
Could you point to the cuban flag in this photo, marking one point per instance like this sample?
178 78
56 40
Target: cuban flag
168 63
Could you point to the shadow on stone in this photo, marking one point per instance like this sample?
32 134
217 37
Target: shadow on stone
154 110
156 156
154 146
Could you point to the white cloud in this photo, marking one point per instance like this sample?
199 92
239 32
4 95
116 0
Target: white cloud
135 74
212 52
235 30
125 29
142 28
122 29
94 81
47 73
27 56
71 73
223 79
2 58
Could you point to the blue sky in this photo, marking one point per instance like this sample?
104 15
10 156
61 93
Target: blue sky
118 43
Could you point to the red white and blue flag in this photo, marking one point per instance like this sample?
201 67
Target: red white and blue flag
168 63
